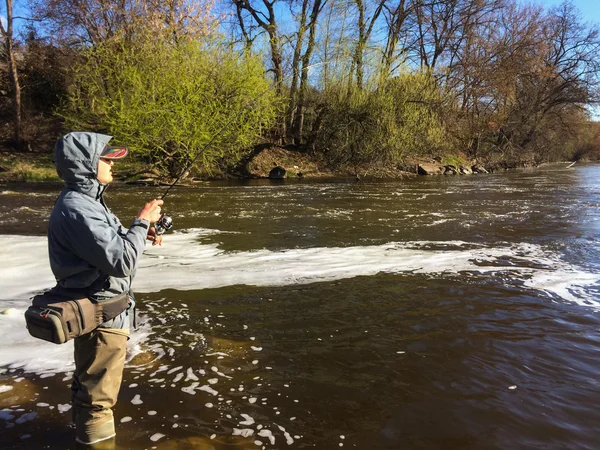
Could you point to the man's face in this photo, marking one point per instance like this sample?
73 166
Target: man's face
105 170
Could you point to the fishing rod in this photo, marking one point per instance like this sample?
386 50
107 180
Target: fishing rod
203 149
165 222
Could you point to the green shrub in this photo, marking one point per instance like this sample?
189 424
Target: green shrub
382 125
167 101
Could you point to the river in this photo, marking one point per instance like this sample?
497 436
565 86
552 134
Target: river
436 312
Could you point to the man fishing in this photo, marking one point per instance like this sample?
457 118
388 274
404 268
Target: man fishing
93 255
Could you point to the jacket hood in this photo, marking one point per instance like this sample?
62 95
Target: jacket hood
76 158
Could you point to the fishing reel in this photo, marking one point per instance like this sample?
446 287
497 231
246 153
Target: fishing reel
165 223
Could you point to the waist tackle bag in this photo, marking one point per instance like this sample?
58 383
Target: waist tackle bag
55 319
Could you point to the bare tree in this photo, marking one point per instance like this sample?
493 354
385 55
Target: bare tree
296 59
365 28
77 22
7 35
262 14
562 75
306 59
396 15
441 27
81 21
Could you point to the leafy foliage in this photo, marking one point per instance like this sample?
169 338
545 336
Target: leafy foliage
382 125
168 101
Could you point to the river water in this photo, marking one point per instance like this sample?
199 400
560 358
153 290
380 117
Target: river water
437 312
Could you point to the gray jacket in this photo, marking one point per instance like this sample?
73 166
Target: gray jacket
91 253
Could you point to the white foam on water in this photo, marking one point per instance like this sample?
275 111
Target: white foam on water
268 434
288 437
248 420
62 408
190 375
191 389
174 369
208 389
178 377
185 263
216 354
156 436
244 432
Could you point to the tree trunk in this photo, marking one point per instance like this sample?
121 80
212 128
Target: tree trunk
12 69
299 119
365 29
293 100
360 45
268 22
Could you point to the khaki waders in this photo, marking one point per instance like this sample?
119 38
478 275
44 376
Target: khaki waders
99 363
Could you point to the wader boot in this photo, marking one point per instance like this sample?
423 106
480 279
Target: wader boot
99 362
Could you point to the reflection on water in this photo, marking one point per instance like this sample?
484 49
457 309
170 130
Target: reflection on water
500 353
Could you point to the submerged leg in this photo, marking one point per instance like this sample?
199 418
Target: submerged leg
99 362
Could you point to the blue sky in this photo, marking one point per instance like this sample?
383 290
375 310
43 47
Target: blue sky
590 9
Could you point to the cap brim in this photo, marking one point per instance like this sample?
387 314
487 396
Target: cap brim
114 152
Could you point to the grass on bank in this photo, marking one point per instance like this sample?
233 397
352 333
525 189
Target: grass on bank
27 167
455 160
38 167
23 171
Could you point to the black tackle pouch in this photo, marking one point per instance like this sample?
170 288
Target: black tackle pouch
58 320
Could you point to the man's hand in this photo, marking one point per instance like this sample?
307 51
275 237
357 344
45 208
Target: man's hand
155 238
151 211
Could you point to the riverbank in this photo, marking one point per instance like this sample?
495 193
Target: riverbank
274 162
267 162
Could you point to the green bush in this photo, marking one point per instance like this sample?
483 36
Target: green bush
166 101
374 126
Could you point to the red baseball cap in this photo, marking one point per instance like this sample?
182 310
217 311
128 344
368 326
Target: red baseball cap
114 152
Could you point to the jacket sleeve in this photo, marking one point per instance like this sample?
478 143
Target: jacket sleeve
93 239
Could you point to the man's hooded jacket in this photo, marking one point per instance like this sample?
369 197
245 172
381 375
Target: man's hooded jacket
91 253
